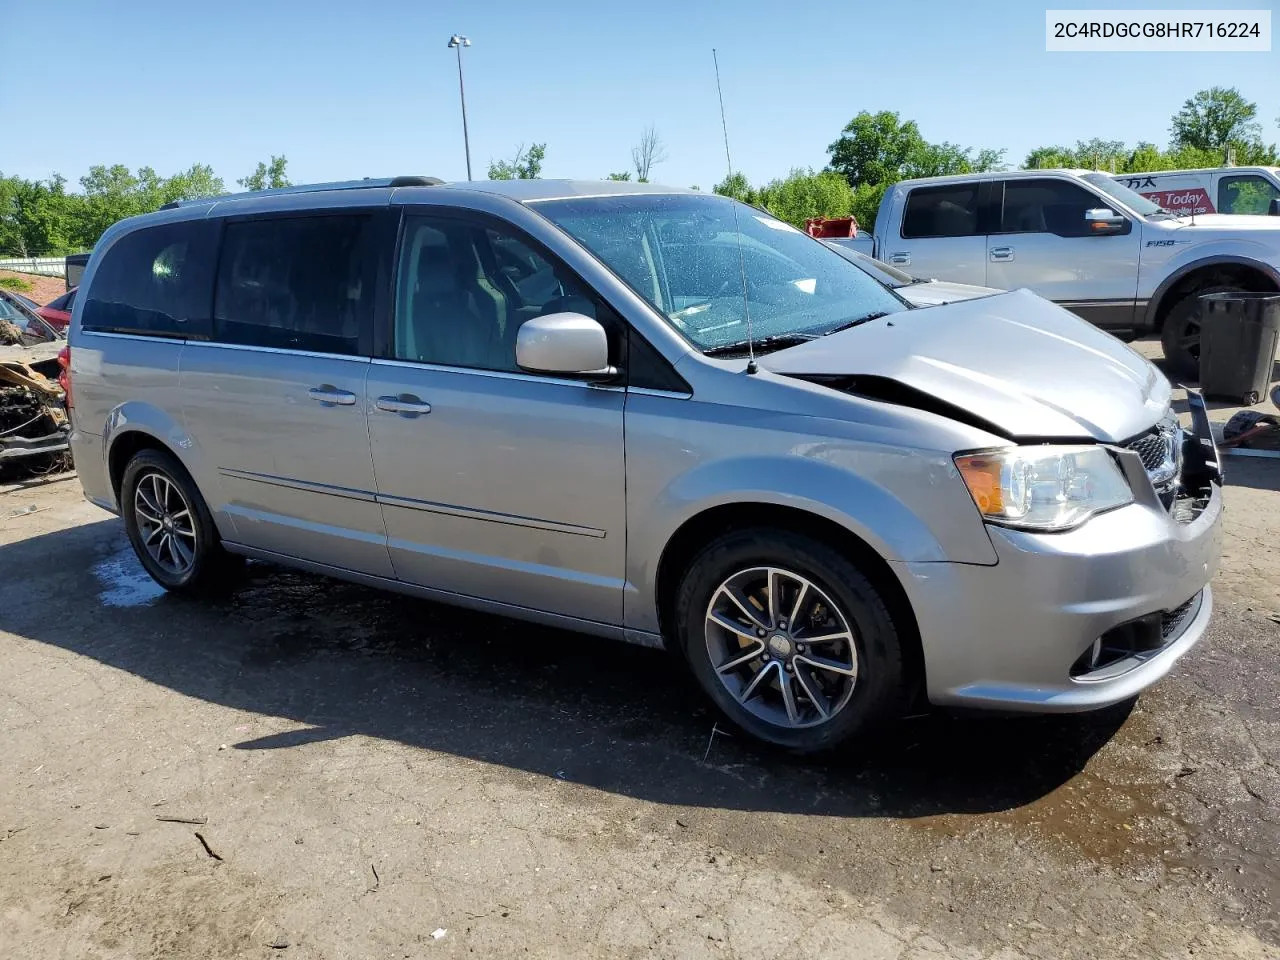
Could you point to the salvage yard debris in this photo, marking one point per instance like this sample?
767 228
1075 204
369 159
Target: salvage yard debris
34 428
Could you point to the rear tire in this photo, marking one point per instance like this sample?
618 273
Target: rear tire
790 639
170 527
1180 335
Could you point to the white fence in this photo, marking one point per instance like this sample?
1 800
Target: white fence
44 266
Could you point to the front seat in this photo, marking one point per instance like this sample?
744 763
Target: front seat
448 329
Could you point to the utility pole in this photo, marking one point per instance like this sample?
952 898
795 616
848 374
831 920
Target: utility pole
457 42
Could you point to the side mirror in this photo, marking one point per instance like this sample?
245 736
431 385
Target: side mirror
1273 207
1103 222
569 344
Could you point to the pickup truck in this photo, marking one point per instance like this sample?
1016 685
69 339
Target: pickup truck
1084 241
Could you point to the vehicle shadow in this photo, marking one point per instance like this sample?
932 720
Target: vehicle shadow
342 660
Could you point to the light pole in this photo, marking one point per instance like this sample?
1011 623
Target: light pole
457 42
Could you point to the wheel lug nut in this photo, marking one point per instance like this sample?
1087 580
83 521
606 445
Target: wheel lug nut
782 624
799 648
788 667
760 631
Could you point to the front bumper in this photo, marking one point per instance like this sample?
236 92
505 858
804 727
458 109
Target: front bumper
1015 635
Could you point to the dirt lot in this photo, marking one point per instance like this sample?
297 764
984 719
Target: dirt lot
43 289
378 777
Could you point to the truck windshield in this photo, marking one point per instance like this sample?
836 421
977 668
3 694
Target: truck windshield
707 263
1130 198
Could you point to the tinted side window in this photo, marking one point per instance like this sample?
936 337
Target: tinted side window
1047 206
464 289
297 283
1246 193
950 211
155 281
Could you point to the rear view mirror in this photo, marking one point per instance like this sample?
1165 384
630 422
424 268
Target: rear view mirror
1103 221
569 344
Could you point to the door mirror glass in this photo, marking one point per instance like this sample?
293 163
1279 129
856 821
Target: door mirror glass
565 343
1102 221
1274 207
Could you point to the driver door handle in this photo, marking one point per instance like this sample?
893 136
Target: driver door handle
1001 254
406 404
900 258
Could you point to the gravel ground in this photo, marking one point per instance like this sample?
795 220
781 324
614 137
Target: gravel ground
378 777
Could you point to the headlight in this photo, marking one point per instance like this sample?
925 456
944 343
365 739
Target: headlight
1045 487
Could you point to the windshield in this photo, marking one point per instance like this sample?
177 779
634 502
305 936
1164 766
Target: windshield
889 276
30 326
1117 191
687 255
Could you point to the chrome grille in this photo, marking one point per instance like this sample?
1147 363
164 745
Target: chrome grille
1160 450
1152 448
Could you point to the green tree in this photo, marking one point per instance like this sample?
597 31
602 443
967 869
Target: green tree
804 194
879 149
625 175
525 165
735 185
875 148
267 176
196 182
12 242
1214 119
45 216
866 203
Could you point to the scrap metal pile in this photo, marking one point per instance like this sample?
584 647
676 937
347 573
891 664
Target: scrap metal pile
33 420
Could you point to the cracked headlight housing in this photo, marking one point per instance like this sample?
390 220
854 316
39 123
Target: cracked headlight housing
1044 488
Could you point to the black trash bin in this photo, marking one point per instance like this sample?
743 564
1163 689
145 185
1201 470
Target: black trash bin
1239 333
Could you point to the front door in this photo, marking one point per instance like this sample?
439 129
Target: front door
494 483
1044 243
276 400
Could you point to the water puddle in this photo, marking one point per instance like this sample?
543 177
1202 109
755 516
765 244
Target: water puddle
124 582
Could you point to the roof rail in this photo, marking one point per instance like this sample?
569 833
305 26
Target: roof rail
366 183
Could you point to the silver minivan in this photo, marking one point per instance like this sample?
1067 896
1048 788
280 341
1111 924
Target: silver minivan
653 415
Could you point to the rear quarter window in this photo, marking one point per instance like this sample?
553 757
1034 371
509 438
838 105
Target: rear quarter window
155 281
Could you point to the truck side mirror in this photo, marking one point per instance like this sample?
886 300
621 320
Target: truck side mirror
1273 207
1103 222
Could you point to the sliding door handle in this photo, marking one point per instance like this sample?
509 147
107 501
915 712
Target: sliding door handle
330 395
406 404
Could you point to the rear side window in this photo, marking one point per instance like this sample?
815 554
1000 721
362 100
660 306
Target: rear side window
1246 193
1047 206
298 283
950 211
154 281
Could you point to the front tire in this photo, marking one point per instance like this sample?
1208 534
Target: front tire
170 527
1180 335
790 639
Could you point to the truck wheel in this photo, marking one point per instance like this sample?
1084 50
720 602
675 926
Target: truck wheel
790 639
1180 335
170 527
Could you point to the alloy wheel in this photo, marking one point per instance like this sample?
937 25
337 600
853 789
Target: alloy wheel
781 647
166 526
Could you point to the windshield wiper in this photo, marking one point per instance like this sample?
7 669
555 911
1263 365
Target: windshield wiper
763 345
857 321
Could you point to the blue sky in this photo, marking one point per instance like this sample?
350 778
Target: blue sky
369 89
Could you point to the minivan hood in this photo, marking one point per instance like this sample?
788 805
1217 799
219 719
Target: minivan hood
1014 361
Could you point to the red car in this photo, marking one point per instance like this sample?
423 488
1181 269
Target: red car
58 311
